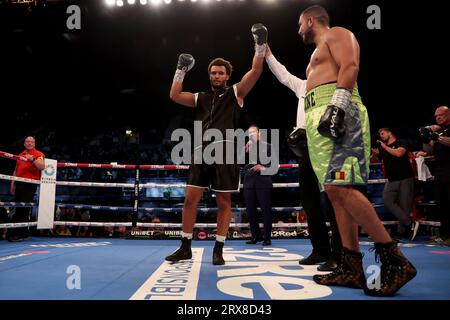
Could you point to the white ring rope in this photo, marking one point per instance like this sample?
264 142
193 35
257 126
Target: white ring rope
159 209
176 225
146 185
14 178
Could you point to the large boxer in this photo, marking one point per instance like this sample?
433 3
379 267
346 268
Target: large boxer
337 128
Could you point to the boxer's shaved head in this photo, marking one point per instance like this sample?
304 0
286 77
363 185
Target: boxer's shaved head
319 13
307 22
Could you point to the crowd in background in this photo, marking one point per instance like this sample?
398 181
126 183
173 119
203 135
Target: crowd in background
153 147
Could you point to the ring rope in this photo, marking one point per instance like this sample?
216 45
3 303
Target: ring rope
145 167
143 209
152 185
145 185
175 225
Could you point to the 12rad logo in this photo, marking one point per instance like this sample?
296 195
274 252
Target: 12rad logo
284 234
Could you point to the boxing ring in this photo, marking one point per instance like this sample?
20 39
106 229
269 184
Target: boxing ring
50 268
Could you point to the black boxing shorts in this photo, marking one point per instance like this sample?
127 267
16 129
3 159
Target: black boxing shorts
216 177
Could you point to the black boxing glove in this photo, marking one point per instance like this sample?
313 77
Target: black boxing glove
260 34
185 63
331 123
296 141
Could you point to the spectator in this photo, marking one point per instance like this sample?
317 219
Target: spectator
398 193
436 141
24 192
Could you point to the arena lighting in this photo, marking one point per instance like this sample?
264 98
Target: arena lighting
23 1
121 3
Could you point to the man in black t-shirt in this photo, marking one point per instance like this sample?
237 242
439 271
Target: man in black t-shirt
398 191
436 141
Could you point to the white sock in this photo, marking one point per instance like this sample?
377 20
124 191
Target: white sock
186 235
220 238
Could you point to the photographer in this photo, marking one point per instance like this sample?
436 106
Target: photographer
436 141
398 191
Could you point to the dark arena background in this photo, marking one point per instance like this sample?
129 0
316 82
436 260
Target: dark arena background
90 80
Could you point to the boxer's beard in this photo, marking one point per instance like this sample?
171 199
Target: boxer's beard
308 36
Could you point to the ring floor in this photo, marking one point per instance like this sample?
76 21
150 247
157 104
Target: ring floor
119 269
